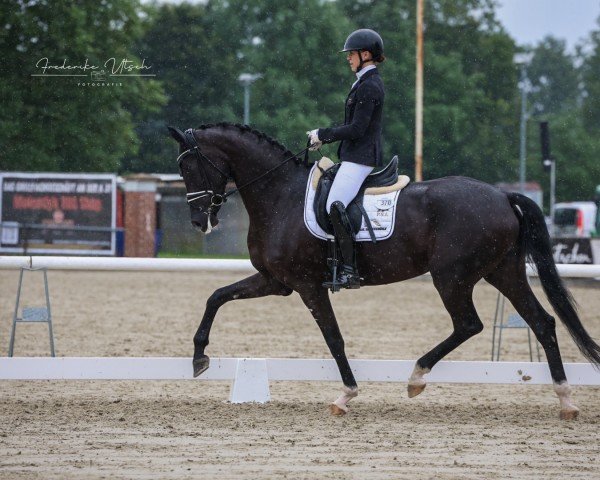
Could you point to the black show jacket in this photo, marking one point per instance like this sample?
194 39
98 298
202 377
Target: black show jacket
361 133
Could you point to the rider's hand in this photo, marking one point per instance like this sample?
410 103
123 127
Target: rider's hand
315 143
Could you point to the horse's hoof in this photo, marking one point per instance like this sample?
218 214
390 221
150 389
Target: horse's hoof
200 365
414 390
570 414
337 410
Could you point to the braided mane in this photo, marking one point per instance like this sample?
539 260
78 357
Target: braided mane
248 129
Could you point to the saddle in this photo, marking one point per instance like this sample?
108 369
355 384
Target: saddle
356 212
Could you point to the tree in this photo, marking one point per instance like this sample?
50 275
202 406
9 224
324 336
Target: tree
591 79
576 154
56 123
295 46
200 51
195 50
470 85
554 78
573 112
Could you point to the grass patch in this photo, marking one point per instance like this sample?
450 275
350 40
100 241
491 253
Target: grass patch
200 255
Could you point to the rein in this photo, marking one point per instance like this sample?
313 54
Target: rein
217 199
301 152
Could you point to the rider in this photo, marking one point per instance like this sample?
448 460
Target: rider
360 142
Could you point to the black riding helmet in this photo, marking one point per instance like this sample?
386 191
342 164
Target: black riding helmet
365 39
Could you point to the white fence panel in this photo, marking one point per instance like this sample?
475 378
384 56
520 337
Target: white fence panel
124 263
197 264
251 376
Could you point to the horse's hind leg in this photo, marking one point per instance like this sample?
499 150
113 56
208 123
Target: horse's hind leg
257 285
458 301
510 279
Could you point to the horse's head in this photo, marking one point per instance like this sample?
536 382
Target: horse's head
205 174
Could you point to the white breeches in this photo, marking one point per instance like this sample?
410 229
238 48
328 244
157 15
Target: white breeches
347 183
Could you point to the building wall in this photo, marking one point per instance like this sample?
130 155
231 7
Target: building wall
139 217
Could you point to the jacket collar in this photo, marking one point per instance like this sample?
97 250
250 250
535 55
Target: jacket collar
363 71
367 74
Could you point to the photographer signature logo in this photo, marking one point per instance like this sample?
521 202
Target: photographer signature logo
98 76
109 73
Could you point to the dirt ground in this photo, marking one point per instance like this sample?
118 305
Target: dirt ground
186 429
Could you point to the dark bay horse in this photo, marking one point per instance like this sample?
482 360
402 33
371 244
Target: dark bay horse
459 229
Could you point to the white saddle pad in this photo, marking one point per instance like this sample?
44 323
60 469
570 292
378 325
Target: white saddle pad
379 203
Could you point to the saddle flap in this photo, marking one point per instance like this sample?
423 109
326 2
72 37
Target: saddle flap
324 179
378 206
324 184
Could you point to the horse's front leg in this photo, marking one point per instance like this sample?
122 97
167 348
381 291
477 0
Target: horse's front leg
317 301
257 285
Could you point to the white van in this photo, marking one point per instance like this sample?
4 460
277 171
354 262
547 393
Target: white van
574 219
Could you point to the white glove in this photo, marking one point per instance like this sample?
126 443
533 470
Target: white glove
315 143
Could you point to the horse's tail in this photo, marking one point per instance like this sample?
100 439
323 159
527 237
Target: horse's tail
537 246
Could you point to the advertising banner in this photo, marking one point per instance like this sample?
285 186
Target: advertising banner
47 213
573 250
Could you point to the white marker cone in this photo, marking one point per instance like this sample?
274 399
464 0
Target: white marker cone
251 383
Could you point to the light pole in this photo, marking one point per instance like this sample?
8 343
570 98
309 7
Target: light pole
523 60
419 95
549 163
247 79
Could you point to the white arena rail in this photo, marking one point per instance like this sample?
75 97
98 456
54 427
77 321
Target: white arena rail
196 264
251 376
123 263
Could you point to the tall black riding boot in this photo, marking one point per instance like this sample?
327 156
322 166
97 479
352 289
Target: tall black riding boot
348 276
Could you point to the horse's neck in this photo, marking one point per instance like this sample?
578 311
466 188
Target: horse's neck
263 196
275 191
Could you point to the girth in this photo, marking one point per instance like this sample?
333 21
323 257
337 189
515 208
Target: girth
384 178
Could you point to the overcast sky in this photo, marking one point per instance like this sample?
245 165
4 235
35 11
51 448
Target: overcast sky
528 21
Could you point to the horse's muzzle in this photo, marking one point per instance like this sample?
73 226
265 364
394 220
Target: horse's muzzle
204 222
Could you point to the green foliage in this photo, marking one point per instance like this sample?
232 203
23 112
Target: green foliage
554 80
591 75
195 52
198 51
295 46
50 123
576 154
469 85
565 93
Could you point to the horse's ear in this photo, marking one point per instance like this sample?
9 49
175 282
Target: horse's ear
177 135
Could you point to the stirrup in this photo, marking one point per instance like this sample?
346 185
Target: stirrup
346 278
343 274
349 278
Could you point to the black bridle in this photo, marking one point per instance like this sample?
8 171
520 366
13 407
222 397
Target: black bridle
217 199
